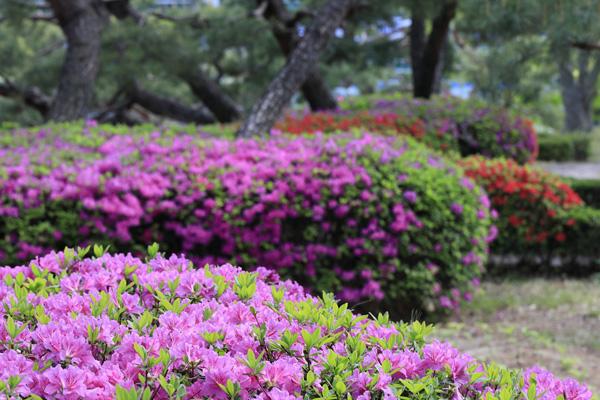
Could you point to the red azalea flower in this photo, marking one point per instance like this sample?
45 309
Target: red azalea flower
514 220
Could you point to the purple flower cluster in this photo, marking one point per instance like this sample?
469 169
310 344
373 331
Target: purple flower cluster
356 215
117 327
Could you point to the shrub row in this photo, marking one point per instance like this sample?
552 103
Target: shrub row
564 147
588 190
370 218
444 123
540 216
116 327
580 250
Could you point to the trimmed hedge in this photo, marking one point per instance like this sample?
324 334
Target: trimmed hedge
569 147
370 218
116 327
580 250
540 216
588 190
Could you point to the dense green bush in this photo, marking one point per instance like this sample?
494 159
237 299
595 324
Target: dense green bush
572 147
580 251
588 190
368 217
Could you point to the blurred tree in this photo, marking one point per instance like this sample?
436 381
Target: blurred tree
82 22
427 51
31 50
284 27
568 31
299 66
204 58
508 73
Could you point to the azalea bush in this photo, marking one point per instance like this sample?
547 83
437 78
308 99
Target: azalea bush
444 123
343 121
539 214
118 327
370 218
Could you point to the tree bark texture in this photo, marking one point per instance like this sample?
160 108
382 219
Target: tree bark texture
439 69
82 22
417 44
578 91
314 89
427 54
298 67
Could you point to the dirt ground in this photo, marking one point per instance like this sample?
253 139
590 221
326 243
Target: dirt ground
520 323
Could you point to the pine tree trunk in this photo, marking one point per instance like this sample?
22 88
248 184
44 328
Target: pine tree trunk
439 69
424 77
578 112
298 67
314 89
82 22
30 96
417 45
578 91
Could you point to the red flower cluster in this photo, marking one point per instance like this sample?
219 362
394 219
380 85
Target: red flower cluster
372 122
531 203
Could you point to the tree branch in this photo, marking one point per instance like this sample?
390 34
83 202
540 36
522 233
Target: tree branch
299 16
586 45
210 93
36 17
168 107
31 96
122 9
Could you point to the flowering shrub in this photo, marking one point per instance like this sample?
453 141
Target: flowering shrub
446 124
476 127
116 327
535 208
342 121
369 218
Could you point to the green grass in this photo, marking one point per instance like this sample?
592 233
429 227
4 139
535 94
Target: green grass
539 292
522 322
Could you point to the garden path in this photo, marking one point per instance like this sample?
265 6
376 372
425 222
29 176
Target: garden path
578 170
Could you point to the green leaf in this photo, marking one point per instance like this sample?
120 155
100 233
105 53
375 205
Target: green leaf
153 250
